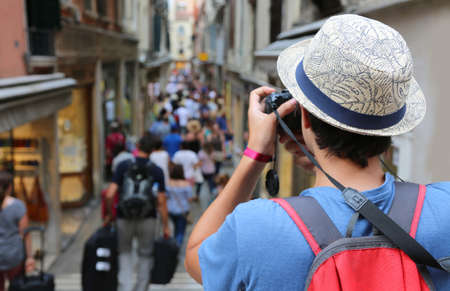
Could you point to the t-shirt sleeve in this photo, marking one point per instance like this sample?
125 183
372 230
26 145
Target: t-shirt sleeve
159 178
194 158
219 258
20 210
176 158
118 174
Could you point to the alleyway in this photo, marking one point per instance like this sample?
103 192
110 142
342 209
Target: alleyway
67 267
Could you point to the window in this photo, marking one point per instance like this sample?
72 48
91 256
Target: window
232 25
275 19
102 7
88 5
181 31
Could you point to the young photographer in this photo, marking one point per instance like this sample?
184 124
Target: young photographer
354 86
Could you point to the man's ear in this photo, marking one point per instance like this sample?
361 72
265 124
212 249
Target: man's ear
305 118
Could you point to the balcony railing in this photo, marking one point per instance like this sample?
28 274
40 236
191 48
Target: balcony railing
42 42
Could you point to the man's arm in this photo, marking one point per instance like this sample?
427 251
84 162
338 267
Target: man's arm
239 188
29 261
110 192
162 209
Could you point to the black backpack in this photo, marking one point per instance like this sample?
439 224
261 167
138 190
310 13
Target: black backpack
136 197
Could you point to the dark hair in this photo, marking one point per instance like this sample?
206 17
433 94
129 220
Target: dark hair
208 147
157 143
145 144
176 172
348 145
118 148
185 145
6 180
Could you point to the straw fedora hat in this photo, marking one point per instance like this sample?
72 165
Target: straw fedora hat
355 74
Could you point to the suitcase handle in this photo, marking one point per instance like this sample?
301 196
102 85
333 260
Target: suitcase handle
26 232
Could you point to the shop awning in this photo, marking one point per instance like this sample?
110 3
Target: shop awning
28 98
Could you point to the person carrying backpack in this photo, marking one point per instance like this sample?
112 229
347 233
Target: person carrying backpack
356 228
141 188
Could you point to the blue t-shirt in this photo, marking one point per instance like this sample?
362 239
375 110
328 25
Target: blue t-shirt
172 143
260 248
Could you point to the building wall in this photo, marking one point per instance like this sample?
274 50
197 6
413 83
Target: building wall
424 25
143 28
181 27
13 38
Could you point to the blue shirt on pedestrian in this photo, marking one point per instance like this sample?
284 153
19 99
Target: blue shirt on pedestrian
222 122
178 199
260 248
172 143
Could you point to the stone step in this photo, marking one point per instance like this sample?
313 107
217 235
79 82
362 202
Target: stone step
181 281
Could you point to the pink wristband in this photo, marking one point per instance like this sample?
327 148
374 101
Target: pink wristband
257 156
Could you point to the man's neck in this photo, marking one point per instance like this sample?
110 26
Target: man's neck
142 155
349 173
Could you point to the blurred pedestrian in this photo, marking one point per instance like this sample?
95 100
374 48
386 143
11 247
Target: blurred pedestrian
161 127
160 157
121 154
189 160
179 192
132 221
172 141
114 139
13 222
221 120
208 167
204 111
194 135
183 117
217 139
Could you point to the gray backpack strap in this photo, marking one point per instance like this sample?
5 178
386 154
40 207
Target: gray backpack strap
404 204
315 219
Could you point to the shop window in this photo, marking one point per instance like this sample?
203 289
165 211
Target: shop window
88 5
102 7
276 9
328 7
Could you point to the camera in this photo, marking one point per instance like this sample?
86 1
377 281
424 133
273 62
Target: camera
274 100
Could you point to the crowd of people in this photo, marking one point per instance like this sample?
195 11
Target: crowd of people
182 151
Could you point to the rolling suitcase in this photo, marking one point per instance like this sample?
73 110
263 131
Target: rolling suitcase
40 282
100 261
165 260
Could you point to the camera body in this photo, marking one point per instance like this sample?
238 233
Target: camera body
274 100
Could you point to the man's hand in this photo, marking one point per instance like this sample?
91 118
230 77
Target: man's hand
166 231
30 264
107 219
262 126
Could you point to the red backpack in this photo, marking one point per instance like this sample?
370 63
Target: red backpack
371 262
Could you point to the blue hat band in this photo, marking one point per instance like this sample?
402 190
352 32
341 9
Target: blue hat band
340 113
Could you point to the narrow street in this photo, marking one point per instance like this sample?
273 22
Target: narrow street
67 268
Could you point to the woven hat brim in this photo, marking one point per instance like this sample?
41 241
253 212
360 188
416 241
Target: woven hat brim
287 64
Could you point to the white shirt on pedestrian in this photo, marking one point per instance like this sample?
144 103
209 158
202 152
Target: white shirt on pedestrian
193 107
183 115
187 159
161 159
